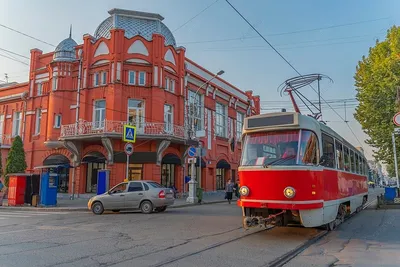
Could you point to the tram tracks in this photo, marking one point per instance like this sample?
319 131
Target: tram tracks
278 262
287 257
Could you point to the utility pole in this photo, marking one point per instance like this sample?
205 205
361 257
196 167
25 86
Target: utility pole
6 77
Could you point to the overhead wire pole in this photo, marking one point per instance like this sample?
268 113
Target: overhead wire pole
238 12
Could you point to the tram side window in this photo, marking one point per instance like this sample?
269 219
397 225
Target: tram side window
308 153
329 151
353 161
363 166
339 156
357 164
346 159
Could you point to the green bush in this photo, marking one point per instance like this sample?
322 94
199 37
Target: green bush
16 162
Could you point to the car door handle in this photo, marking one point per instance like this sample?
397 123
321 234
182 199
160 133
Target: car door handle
121 195
140 194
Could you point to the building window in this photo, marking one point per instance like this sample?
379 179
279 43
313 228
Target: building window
103 78
167 84
172 86
136 114
221 120
142 78
1 127
168 118
39 89
54 83
99 114
38 121
17 124
96 79
196 111
135 172
239 125
57 121
132 77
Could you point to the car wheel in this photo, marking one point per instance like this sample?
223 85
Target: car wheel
116 210
161 209
146 207
97 208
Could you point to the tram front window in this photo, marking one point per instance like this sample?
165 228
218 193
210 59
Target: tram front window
280 148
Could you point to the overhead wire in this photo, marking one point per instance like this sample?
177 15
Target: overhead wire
240 14
195 16
27 35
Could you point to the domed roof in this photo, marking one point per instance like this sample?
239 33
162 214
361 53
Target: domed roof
65 51
135 23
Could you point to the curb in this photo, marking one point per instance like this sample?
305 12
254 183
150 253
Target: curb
85 209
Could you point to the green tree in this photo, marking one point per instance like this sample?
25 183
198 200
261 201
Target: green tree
376 80
16 162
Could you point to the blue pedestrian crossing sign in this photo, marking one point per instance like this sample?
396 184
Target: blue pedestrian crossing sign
129 133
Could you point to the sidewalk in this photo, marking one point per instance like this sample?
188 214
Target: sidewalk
80 204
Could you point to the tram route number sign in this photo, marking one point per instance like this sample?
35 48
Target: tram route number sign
396 119
128 149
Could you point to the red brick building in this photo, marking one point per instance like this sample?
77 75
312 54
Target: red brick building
77 99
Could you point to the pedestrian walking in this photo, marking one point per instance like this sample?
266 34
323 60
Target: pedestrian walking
1 193
229 191
236 188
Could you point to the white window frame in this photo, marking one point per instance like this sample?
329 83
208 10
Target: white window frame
54 83
96 79
57 121
1 127
239 124
130 81
140 125
167 85
38 121
102 114
142 83
221 120
16 129
40 89
172 89
103 77
168 118
196 105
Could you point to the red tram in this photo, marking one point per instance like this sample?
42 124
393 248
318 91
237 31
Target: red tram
296 170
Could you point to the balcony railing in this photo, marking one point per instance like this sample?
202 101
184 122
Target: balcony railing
87 128
5 140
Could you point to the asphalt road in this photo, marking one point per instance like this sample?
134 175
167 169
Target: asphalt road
207 235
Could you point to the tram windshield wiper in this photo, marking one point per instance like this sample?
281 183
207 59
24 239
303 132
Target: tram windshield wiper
280 160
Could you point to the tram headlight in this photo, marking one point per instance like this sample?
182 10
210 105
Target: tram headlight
244 191
289 192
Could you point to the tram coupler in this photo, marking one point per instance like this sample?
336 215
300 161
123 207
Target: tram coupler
254 221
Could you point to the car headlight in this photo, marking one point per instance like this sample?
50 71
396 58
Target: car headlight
289 192
244 191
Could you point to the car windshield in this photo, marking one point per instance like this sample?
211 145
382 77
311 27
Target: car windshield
280 148
155 185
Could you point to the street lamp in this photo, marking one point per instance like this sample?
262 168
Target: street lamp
192 184
219 73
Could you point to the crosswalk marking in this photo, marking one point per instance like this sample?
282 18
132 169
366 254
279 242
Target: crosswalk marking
27 214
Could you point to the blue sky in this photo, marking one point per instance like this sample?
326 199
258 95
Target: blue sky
311 34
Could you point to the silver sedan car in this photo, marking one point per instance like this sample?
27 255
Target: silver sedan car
148 196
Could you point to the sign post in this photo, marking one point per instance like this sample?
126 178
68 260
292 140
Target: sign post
128 136
192 198
396 121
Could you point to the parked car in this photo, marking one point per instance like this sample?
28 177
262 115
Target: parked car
148 196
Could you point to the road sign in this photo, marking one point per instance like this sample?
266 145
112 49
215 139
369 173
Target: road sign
192 151
129 133
396 119
128 149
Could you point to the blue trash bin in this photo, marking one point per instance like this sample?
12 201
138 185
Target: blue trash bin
390 193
